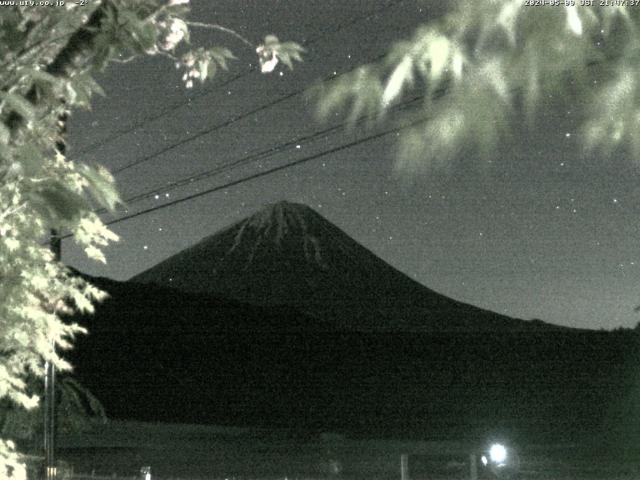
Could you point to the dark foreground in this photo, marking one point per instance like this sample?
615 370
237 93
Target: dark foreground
192 452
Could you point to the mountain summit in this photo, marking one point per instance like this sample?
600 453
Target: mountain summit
288 254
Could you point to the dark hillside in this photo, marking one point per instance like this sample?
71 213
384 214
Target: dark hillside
157 354
323 335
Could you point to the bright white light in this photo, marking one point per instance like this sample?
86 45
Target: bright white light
484 460
573 20
498 453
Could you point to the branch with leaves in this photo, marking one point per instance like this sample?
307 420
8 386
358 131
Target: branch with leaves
48 57
486 66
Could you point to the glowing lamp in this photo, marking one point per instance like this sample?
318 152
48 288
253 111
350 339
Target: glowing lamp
498 453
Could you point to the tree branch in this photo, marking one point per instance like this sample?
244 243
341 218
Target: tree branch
213 26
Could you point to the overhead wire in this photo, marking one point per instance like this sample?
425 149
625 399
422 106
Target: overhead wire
263 173
269 152
224 124
276 149
166 111
266 172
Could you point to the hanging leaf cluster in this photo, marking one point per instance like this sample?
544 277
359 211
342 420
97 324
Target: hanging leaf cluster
488 65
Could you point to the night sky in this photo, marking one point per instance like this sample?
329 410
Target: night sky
538 231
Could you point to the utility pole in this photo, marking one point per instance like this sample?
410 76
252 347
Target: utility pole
55 243
49 388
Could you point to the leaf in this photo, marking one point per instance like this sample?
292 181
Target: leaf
47 84
72 95
573 20
56 202
272 51
101 186
203 68
95 253
221 55
5 134
437 55
102 57
288 52
362 88
44 77
19 104
271 40
30 159
88 82
403 74
147 35
81 88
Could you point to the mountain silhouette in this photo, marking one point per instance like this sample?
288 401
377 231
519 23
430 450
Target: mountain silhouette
283 320
288 254
163 355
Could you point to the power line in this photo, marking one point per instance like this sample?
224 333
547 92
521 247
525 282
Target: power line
225 124
271 151
96 145
121 133
266 172
232 120
234 183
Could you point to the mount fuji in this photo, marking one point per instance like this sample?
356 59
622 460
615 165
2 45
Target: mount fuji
284 320
288 254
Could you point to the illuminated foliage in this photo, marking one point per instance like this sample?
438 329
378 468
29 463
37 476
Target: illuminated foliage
486 66
47 59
